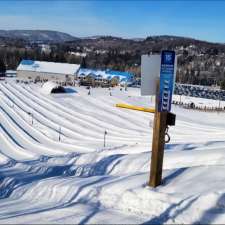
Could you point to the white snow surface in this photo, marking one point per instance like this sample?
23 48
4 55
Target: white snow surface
56 170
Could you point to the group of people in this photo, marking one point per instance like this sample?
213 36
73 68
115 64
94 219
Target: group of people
110 90
200 108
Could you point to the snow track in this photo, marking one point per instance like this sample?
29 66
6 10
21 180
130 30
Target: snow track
36 135
23 138
77 180
45 116
75 116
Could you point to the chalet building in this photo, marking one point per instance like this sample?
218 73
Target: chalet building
45 71
102 77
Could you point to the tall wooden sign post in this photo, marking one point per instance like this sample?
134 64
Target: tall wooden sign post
158 143
163 117
163 90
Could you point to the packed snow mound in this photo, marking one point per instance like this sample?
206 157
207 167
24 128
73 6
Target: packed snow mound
51 87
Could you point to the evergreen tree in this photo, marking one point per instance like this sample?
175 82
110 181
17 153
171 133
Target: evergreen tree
83 63
222 85
2 68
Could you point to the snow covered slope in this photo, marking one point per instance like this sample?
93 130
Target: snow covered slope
56 170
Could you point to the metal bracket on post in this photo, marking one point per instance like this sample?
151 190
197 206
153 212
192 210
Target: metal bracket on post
171 119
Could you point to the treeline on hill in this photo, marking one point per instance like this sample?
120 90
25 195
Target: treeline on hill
199 62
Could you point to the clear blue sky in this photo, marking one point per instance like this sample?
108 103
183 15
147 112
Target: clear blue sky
135 18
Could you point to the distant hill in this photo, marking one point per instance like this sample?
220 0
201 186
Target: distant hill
103 41
142 46
37 35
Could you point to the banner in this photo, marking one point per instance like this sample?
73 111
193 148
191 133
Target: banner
167 70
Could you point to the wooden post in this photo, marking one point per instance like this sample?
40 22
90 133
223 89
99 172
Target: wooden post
105 136
32 118
59 133
158 143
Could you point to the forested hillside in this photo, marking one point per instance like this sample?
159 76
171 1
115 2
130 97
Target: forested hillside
199 62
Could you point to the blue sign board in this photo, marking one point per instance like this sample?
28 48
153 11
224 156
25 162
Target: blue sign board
166 80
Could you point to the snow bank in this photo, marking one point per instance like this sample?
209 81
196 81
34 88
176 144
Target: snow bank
47 87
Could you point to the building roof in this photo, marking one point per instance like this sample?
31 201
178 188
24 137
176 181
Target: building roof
48 67
106 74
10 71
120 74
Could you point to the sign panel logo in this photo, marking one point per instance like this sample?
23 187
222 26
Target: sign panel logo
166 80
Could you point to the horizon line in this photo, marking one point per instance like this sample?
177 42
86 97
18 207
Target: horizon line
110 35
